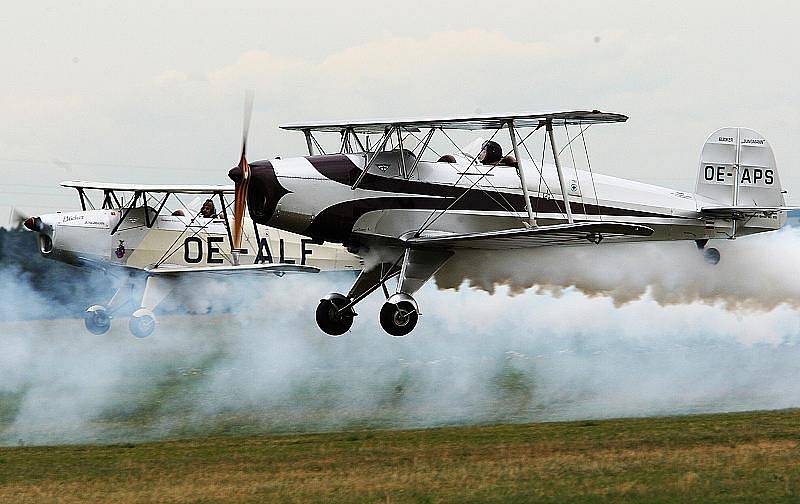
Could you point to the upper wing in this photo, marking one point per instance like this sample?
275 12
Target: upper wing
560 234
279 269
745 212
476 122
150 188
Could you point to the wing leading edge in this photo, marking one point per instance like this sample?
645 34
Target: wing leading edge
150 188
560 234
231 270
475 122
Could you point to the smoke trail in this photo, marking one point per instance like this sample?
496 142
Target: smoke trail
643 337
756 272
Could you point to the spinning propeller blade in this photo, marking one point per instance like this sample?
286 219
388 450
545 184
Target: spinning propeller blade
242 182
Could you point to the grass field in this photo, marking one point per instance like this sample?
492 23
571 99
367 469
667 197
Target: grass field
700 458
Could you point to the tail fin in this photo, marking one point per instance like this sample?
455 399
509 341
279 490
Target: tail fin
739 153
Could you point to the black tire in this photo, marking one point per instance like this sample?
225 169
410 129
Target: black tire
97 320
142 325
711 255
399 319
330 319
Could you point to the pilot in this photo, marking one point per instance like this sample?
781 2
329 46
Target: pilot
491 153
208 211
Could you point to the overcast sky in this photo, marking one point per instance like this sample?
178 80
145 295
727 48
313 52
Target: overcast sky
152 91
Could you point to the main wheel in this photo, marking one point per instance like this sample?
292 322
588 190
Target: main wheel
97 320
142 323
711 255
399 315
330 317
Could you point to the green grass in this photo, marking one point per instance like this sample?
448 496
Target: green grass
703 458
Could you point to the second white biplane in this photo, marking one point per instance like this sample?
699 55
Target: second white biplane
147 238
415 209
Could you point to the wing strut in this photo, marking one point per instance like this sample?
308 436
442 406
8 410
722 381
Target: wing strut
310 146
521 172
736 180
563 184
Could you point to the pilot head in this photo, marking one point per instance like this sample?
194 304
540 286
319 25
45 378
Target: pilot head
491 153
207 210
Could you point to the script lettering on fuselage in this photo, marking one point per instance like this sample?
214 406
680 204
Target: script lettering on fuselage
748 175
195 251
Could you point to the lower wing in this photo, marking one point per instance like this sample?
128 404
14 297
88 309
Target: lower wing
227 270
559 234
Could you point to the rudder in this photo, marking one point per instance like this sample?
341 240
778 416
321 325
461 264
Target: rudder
742 150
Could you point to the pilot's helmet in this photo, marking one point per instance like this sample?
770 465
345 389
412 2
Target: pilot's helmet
491 153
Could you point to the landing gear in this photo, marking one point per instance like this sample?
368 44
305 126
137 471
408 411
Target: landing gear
142 323
332 316
97 319
711 255
399 315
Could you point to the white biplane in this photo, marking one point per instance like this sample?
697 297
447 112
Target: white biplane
146 237
415 208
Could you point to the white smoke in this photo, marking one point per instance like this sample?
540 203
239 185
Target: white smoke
757 272
648 331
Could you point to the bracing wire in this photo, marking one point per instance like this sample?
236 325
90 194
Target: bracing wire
575 169
428 222
591 173
508 206
541 174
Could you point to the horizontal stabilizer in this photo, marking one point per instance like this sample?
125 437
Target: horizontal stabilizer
279 269
543 236
745 212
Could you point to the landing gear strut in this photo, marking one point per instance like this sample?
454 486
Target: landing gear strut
97 318
400 313
142 323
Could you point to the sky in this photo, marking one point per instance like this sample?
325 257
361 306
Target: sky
152 92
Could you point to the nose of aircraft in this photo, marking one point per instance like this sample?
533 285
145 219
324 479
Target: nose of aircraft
263 191
33 224
44 227
235 174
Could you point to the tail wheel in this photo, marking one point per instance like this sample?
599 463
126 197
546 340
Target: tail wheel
330 316
97 320
711 255
399 315
142 323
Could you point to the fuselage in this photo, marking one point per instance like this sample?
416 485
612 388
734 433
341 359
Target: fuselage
313 196
86 238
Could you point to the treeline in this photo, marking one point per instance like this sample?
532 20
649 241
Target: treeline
32 286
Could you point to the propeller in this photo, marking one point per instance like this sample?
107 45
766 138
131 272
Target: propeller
243 181
17 218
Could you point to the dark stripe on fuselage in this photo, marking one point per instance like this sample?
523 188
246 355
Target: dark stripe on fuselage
341 169
335 223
